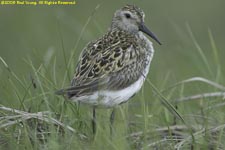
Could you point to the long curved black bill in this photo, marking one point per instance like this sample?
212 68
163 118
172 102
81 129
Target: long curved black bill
144 29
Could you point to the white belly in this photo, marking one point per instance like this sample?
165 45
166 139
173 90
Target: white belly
107 98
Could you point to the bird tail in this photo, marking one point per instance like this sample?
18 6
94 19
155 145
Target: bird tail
65 92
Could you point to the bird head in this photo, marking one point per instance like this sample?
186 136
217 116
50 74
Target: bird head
130 18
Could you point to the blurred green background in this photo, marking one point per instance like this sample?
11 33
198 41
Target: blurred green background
47 35
28 29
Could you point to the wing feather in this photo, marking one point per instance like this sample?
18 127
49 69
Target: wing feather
104 64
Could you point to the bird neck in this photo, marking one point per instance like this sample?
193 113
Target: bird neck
122 27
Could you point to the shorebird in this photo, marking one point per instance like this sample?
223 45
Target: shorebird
113 68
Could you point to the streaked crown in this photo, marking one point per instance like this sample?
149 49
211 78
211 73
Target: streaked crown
134 10
128 18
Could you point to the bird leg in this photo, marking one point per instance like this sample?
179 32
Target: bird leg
94 121
112 116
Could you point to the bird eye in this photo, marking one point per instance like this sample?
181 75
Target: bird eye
127 15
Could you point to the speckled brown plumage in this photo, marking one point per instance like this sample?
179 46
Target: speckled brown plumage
111 59
115 61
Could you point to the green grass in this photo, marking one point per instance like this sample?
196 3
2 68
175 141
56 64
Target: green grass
172 111
34 117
